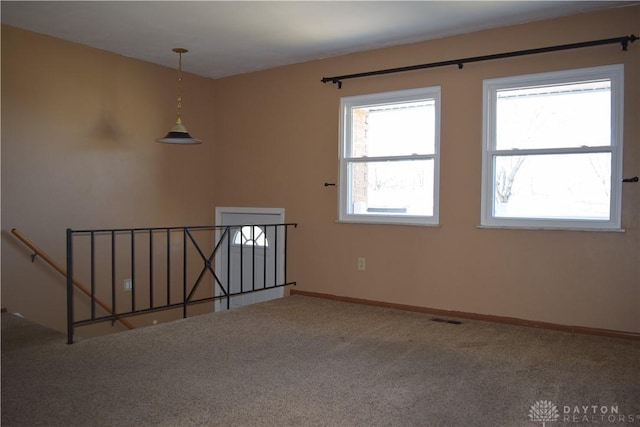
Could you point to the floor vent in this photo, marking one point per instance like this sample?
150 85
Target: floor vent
441 320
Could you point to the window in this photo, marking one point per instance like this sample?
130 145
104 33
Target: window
389 157
250 236
552 153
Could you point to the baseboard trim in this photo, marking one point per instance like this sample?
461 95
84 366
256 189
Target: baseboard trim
475 316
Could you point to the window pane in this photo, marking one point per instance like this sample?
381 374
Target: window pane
392 188
562 186
390 130
250 236
558 116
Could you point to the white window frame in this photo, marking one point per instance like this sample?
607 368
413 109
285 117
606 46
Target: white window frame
615 73
344 193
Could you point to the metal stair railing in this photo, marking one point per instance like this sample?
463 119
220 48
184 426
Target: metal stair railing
46 258
204 247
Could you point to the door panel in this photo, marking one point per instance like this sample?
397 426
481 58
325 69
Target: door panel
255 260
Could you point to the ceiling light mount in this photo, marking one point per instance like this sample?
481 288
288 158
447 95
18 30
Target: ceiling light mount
178 133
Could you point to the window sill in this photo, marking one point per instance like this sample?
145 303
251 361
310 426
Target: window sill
516 227
382 222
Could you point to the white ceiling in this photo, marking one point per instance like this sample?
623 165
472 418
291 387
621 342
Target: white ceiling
233 37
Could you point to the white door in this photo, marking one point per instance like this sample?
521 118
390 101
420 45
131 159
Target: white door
251 256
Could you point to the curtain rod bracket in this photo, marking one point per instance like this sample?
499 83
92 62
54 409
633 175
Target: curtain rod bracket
625 41
333 80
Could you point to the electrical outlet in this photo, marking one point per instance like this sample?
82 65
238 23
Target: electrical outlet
361 264
127 285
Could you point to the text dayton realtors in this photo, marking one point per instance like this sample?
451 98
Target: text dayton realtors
596 414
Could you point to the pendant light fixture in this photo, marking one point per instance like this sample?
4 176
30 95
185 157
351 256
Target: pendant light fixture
178 133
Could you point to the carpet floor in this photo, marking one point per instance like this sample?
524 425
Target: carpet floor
303 361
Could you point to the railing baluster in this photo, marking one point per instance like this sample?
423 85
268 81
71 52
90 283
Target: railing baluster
168 266
275 258
113 273
133 271
93 275
229 237
70 322
184 272
286 229
253 259
151 268
242 240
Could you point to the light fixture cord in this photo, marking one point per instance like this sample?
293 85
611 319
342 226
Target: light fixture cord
179 100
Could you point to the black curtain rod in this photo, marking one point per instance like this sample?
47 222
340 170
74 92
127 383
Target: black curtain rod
624 41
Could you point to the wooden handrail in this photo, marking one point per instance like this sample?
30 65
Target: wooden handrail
42 254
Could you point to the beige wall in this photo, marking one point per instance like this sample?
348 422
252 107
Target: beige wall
277 143
79 151
78 126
